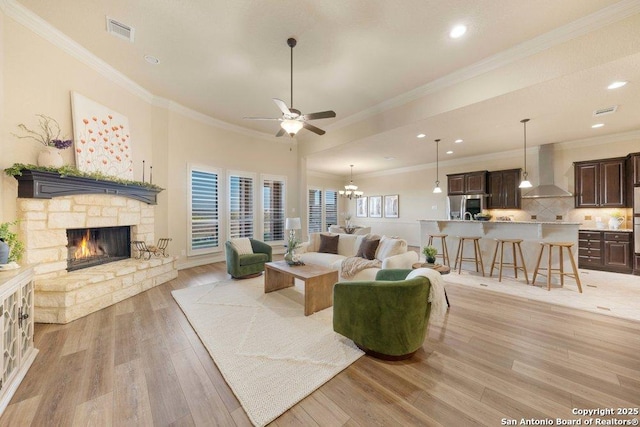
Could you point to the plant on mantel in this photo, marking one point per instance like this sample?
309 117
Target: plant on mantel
18 168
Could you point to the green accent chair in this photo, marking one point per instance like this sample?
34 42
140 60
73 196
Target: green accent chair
251 265
387 318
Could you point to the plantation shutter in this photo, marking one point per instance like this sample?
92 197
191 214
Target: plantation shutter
204 225
273 203
241 220
315 210
330 208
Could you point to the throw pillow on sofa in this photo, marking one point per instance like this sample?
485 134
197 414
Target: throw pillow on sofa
328 244
368 248
242 245
389 247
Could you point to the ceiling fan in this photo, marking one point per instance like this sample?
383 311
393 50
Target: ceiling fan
293 120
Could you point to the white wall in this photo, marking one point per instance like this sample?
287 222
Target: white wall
37 78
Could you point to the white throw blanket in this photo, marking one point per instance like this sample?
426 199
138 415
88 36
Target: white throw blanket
353 265
437 297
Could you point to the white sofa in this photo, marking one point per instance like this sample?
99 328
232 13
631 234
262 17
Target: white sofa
392 252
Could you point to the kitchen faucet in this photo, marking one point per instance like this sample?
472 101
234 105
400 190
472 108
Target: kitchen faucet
465 215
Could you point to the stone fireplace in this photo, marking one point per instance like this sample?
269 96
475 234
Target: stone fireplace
62 295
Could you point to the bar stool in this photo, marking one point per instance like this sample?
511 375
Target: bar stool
500 244
443 245
560 269
477 255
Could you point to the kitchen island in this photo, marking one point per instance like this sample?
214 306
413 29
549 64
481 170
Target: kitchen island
531 233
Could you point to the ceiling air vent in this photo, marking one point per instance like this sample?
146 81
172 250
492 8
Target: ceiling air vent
603 111
119 29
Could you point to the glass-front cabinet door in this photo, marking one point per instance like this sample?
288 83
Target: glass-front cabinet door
10 355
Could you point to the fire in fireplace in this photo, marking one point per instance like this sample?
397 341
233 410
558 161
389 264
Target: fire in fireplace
88 247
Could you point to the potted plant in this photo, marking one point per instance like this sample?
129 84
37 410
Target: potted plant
15 248
430 253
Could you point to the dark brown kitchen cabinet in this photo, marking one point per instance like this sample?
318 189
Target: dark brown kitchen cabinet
633 168
467 183
503 189
589 249
600 183
605 250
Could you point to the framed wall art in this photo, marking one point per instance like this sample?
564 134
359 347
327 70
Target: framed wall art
391 206
375 206
102 138
361 207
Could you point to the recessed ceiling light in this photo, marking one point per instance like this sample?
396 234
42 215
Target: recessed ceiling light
151 59
449 152
597 125
421 135
458 141
616 85
458 31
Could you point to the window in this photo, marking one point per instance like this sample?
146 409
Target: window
315 210
241 215
273 208
203 216
330 208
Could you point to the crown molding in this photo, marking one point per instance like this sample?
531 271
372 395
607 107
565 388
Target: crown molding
39 26
575 29
208 120
599 140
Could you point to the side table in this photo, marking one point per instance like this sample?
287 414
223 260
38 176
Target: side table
442 269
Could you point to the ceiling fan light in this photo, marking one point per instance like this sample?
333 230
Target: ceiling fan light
291 126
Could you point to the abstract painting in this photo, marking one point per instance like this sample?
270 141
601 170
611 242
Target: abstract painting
102 138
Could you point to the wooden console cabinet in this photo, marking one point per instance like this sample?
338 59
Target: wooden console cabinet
16 324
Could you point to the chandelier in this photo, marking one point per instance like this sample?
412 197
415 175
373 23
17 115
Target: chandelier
351 190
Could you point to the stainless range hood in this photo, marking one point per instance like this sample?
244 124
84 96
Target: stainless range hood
547 188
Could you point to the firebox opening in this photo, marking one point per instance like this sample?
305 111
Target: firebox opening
88 247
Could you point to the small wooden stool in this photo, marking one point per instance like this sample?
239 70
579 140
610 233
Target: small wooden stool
514 242
560 269
477 255
443 245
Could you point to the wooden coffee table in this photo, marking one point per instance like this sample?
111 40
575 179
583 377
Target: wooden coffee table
318 282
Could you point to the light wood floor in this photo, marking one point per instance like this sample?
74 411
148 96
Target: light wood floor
140 363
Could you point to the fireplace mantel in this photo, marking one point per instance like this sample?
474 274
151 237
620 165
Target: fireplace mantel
46 185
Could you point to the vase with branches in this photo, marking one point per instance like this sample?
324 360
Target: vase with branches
47 134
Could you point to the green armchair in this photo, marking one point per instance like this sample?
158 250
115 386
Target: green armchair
244 266
387 318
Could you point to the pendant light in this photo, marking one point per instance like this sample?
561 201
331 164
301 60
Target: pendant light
525 182
437 189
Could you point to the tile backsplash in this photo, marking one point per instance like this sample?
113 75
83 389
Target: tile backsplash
562 209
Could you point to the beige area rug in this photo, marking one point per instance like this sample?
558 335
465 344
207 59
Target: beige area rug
613 294
269 352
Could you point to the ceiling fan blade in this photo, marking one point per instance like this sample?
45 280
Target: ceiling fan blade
313 129
282 106
261 118
320 115
281 132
